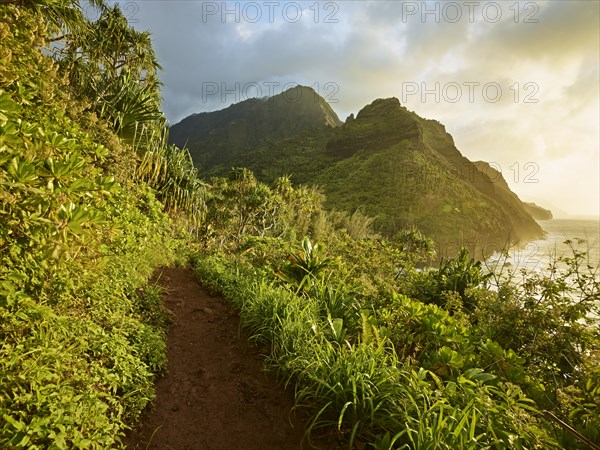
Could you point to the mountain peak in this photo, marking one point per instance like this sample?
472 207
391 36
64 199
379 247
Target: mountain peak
382 107
307 99
380 124
401 168
246 124
301 90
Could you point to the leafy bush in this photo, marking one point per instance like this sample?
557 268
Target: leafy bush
81 335
408 376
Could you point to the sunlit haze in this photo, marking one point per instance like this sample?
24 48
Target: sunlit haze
515 83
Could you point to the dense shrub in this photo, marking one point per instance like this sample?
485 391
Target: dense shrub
82 334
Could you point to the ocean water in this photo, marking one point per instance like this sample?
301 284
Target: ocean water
536 256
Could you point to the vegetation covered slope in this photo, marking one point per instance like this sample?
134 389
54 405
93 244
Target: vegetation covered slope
81 331
385 355
454 357
407 170
389 162
537 212
219 138
499 185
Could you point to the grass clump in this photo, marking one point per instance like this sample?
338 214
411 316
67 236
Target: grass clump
388 370
82 332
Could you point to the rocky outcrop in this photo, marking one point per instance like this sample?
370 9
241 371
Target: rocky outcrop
537 212
398 167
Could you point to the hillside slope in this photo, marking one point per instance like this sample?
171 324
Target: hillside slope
406 170
81 330
396 166
537 212
220 137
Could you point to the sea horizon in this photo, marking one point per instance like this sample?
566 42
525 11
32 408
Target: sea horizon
562 237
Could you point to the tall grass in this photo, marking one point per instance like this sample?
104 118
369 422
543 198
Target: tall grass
359 388
171 172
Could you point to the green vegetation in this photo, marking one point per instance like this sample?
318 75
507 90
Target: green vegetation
378 349
400 169
82 332
396 357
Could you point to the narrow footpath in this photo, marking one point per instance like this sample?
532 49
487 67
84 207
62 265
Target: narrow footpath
215 395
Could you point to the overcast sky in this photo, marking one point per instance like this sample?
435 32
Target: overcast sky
515 83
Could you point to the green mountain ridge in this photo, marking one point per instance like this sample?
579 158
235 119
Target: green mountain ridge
394 165
215 137
537 212
381 349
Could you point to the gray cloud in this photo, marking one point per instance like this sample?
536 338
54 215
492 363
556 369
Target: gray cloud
564 30
376 49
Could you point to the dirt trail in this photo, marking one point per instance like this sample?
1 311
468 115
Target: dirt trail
215 395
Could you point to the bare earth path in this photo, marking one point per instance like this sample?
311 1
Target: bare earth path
215 395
